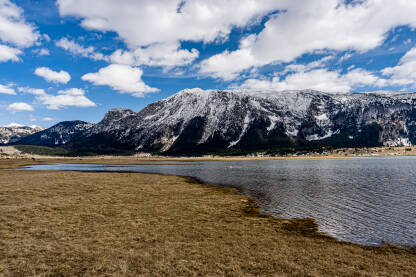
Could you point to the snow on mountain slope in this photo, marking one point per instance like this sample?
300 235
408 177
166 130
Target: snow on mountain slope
13 132
206 121
217 120
57 135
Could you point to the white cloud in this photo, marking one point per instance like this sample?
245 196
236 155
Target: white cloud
76 49
46 37
71 97
34 91
154 29
228 65
13 27
7 90
47 119
123 78
145 22
42 52
405 72
74 97
53 76
9 54
318 79
19 107
345 57
160 54
321 63
308 26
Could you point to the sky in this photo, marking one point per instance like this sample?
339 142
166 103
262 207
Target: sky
76 59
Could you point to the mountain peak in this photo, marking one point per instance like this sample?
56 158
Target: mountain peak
13 124
117 113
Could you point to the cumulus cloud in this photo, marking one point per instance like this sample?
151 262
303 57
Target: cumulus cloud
307 26
34 91
405 72
19 107
144 22
123 78
228 65
53 76
13 27
74 97
154 29
41 52
7 89
9 54
77 49
321 79
160 54
71 97
47 119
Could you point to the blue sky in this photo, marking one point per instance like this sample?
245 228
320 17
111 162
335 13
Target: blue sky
76 59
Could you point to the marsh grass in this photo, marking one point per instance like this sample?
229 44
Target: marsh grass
129 224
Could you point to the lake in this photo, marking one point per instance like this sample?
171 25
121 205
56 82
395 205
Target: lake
368 201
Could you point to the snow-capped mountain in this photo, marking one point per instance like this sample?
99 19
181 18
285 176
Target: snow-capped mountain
200 121
57 135
13 132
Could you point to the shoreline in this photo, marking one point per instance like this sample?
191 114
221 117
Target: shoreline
151 160
9 152
311 227
186 209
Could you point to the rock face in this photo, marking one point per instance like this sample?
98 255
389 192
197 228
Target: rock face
57 135
13 132
206 121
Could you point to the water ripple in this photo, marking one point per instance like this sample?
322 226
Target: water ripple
367 201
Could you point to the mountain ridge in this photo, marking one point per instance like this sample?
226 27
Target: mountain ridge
196 121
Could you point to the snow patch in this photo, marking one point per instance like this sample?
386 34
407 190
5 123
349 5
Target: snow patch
168 142
245 126
273 120
12 125
329 133
322 117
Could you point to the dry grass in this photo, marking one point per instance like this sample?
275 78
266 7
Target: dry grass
10 152
127 224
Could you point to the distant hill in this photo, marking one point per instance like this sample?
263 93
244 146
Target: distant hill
13 132
57 135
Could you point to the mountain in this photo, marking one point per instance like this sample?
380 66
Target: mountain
14 131
57 135
197 121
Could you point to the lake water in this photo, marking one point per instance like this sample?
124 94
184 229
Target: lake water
367 201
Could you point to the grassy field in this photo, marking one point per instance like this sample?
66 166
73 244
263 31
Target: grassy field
128 224
41 150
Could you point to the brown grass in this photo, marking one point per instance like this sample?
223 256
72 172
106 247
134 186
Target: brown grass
128 224
341 153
